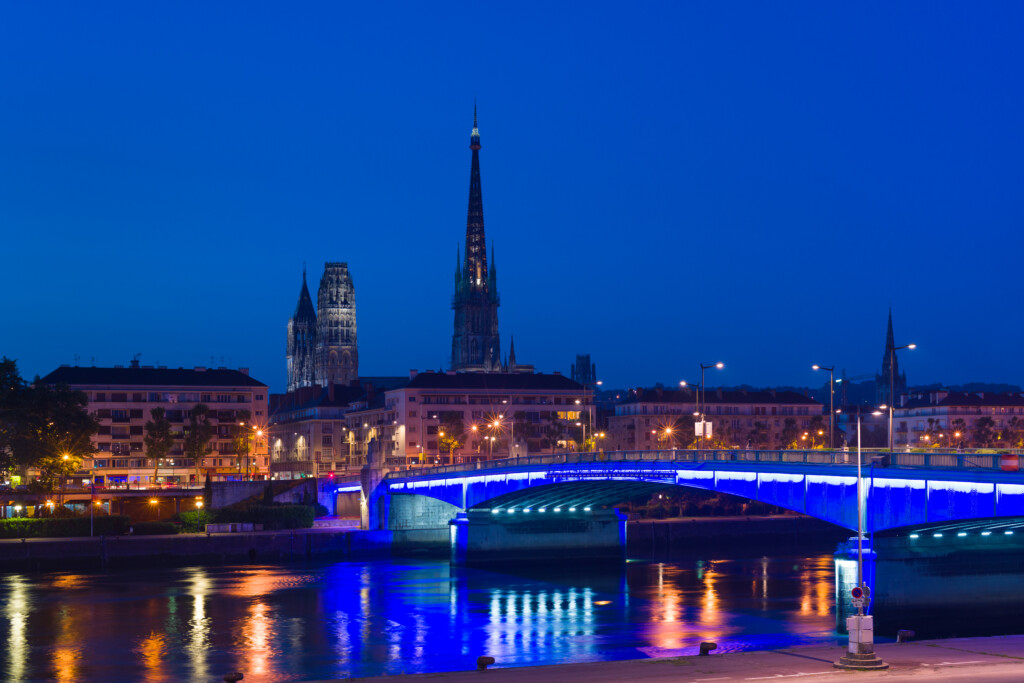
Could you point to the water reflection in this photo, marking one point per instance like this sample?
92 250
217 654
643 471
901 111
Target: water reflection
361 619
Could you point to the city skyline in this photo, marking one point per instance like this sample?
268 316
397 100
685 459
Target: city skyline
639 214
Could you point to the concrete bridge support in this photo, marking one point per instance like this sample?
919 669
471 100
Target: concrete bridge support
480 537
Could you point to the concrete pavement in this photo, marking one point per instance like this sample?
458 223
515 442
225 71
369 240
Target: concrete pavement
993 659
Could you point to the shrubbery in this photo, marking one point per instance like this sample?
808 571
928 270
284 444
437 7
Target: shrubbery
55 527
154 528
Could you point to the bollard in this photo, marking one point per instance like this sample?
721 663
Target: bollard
233 677
904 635
483 662
706 647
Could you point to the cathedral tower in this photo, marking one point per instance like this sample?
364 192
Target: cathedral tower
476 346
337 357
301 353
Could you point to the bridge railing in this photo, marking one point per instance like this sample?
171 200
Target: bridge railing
896 459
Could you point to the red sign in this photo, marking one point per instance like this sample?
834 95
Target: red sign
1008 462
857 592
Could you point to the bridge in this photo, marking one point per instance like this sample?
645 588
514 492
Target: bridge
554 504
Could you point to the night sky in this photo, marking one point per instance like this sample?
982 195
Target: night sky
665 183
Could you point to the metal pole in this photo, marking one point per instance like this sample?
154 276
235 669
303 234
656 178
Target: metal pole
892 392
860 518
703 427
831 407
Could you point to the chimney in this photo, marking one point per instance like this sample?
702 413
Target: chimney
413 373
244 371
200 368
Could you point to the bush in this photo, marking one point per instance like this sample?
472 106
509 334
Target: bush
56 527
320 510
194 521
154 528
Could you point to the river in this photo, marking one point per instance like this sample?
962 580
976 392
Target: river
335 620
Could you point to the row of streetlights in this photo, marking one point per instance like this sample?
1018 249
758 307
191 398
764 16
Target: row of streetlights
890 405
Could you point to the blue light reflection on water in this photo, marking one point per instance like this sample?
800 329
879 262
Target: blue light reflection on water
277 623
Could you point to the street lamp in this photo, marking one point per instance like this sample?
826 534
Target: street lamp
865 642
831 407
703 426
892 384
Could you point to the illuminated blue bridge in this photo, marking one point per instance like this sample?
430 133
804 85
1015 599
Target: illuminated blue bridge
558 504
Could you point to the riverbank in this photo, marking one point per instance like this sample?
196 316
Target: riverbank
998 658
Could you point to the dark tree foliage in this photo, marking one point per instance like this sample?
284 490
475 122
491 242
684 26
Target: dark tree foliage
42 426
198 433
159 438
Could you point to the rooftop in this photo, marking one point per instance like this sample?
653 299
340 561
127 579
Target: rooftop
151 377
723 396
494 381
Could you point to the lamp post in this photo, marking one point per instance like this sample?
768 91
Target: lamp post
831 407
892 383
63 476
861 653
703 426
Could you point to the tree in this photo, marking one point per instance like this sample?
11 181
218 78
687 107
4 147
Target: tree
1013 432
198 433
818 432
49 423
240 440
984 432
958 429
758 436
159 438
449 437
12 389
790 435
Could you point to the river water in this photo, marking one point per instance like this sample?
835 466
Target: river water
335 620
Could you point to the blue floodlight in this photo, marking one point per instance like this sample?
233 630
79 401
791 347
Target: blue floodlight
543 510
937 535
495 511
914 536
558 509
1008 533
986 533
962 533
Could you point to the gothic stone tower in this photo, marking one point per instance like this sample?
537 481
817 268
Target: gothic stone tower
882 381
476 346
337 358
302 342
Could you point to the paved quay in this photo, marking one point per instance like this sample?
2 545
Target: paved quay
998 658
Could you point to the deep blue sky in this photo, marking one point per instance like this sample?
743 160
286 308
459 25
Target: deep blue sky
665 183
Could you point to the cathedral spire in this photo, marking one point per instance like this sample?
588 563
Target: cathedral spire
476 242
476 346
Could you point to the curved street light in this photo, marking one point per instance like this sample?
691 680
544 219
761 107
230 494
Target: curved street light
831 394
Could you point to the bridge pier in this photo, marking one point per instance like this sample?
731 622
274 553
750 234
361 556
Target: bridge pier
480 537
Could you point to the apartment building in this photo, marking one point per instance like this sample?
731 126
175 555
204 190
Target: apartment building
122 398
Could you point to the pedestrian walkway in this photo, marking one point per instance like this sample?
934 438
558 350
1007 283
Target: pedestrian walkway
994 659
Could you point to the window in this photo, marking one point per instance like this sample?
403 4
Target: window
119 398
101 397
138 398
412 399
327 440
412 413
